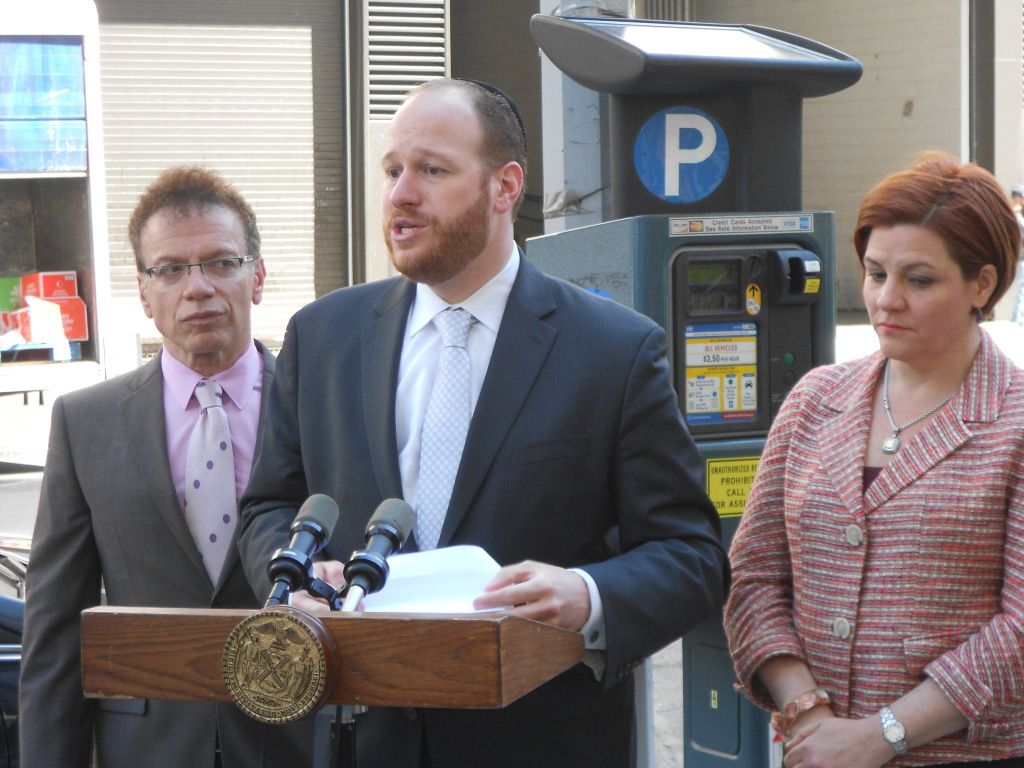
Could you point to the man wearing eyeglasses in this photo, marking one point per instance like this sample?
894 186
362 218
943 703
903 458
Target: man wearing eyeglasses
139 493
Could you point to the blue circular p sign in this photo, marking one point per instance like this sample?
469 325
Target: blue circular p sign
681 154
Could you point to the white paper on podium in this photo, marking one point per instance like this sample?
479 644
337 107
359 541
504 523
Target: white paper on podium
443 580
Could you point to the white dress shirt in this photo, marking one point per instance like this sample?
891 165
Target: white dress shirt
421 356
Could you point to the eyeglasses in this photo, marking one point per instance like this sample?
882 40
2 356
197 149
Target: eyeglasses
225 268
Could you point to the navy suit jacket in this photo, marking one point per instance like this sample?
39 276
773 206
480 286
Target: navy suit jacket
576 456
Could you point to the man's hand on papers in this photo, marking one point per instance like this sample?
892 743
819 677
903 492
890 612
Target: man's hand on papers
540 592
330 571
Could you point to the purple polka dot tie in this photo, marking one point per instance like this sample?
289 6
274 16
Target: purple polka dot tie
210 502
444 427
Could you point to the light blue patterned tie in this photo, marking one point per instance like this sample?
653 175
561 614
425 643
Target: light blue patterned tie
444 427
210 501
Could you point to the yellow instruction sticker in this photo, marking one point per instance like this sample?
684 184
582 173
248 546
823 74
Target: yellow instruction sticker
753 299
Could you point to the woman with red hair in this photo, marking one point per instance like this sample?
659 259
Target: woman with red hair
877 600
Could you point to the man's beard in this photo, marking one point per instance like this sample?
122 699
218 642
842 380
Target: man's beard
457 243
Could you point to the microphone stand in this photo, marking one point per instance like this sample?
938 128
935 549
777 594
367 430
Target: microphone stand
343 729
366 571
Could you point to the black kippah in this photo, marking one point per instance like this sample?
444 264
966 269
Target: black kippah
504 97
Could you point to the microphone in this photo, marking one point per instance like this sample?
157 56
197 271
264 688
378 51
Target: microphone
386 533
292 566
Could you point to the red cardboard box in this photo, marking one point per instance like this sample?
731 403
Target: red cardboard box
49 285
38 322
21 320
74 317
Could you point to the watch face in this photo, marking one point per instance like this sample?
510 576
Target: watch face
895 732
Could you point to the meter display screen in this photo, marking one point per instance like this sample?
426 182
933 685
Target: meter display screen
714 287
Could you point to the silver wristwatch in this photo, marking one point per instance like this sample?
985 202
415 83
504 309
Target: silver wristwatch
893 732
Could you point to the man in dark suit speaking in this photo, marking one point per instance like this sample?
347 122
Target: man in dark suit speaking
512 411
139 494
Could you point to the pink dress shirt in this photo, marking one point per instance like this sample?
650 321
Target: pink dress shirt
243 386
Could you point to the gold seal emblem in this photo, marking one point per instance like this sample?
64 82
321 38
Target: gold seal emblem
278 665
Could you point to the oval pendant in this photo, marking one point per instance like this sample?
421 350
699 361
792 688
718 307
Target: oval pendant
891 444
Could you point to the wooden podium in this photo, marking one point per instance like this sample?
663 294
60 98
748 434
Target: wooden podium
481 660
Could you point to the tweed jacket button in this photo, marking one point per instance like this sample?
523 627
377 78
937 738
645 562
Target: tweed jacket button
854 535
841 628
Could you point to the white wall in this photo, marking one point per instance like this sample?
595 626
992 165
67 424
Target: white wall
236 99
1009 103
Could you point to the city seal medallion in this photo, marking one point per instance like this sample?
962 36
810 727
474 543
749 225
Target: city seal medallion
278 665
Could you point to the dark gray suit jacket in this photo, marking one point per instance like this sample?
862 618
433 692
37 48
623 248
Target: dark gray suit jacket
108 510
576 436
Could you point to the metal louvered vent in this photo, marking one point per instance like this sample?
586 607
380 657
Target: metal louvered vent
664 10
235 98
407 43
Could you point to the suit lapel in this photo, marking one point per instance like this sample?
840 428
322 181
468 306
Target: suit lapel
941 437
381 353
844 436
143 414
523 343
976 401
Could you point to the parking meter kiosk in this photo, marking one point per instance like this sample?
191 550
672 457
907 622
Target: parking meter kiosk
747 311
702 117
710 242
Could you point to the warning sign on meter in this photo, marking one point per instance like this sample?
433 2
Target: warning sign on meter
721 372
728 482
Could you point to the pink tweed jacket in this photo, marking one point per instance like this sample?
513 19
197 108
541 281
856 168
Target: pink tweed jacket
922 575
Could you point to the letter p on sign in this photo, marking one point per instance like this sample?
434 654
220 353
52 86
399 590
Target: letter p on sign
681 154
675 155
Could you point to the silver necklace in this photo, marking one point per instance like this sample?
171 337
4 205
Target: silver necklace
892 443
